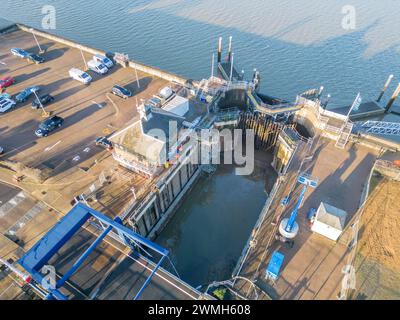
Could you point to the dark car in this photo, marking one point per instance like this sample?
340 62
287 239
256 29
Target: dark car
48 126
104 142
121 92
35 58
44 99
25 94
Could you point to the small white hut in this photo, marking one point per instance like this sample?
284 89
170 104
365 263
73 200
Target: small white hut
329 221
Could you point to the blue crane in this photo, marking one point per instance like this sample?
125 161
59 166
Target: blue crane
289 227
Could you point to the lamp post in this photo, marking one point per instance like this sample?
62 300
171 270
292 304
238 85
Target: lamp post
37 42
83 57
44 112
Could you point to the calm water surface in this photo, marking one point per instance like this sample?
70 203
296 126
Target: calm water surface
208 232
296 45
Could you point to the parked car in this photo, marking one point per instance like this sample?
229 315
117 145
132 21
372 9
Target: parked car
1 150
5 95
6 104
44 99
48 126
25 94
80 75
19 52
35 58
6 82
120 91
104 142
97 67
104 60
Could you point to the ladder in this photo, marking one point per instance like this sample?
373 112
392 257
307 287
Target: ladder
344 135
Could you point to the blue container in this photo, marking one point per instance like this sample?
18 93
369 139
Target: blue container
274 265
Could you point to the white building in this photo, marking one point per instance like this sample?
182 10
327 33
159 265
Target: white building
329 221
178 105
149 143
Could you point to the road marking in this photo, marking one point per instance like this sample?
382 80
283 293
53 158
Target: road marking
76 158
51 147
12 203
86 149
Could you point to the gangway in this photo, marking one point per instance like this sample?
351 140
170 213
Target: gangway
264 108
288 227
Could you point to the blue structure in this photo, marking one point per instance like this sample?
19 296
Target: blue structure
64 230
289 227
274 265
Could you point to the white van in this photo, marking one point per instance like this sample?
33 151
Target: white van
80 75
104 60
97 67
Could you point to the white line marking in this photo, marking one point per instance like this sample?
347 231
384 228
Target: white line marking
76 158
86 149
51 147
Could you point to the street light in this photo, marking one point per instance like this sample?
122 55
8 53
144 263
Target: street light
83 57
44 112
37 42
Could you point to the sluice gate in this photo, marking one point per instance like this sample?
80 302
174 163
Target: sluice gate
266 131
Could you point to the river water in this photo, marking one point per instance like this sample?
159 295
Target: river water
209 230
297 45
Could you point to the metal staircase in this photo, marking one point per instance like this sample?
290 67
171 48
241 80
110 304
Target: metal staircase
344 135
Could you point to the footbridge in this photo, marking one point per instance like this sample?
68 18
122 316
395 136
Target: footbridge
271 109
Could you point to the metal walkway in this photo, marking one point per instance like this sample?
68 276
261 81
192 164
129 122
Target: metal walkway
380 127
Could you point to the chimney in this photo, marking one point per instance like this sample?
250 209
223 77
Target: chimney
393 98
385 87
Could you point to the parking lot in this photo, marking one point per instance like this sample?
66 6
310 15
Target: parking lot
88 111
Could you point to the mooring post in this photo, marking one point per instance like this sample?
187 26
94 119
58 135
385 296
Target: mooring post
393 98
230 77
385 87
212 66
219 49
230 49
